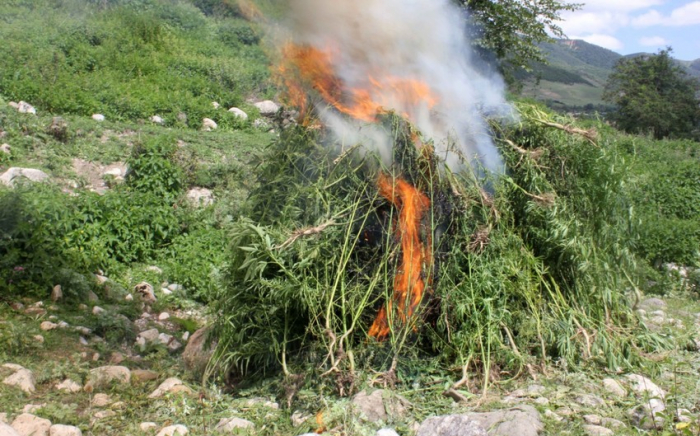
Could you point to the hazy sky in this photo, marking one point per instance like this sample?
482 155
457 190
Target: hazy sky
631 26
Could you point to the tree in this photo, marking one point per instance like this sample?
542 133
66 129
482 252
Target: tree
512 29
654 95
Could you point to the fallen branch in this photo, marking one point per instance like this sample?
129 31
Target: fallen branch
305 232
591 135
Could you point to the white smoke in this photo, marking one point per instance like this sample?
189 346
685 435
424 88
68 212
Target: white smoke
413 39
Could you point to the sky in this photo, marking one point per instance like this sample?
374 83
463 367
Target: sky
632 26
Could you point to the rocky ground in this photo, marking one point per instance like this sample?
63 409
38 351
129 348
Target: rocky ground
130 362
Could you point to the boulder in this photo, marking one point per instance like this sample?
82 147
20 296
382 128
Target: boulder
23 379
614 388
147 427
379 405
157 120
69 385
101 400
238 113
517 421
5 148
104 375
172 385
98 117
56 293
196 355
27 424
64 430
645 387
145 291
267 107
13 174
48 325
208 124
200 197
6 430
450 425
230 425
25 108
173 430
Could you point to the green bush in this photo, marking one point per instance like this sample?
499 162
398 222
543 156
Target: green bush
153 170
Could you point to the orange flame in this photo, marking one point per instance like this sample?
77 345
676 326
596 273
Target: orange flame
306 67
409 282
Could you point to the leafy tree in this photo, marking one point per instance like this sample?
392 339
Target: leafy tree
512 29
653 94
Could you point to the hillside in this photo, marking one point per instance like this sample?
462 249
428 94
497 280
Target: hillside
576 74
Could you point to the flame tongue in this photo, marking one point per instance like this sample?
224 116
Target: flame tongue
306 67
409 282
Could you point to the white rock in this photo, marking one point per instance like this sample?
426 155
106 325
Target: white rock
208 124
102 414
48 325
12 366
169 341
175 287
97 310
63 325
238 113
596 430
215 104
101 280
83 341
56 293
163 316
185 336
173 430
149 336
129 297
155 269
156 119
6 430
104 375
98 117
23 379
64 430
13 174
231 424
643 386
39 339
101 400
31 408
387 432
114 172
69 385
25 108
27 424
5 148
147 426
200 197
614 388
267 107
166 291
13 104
172 385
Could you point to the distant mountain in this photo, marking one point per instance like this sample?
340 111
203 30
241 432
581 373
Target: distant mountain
576 73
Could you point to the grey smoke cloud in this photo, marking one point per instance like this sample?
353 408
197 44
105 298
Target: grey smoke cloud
410 39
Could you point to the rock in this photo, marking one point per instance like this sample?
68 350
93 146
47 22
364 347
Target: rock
651 303
215 104
104 375
200 197
129 297
69 385
154 269
196 355
612 423
5 148
166 291
371 406
64 430
592 419
645 387
156 119
173 430
267 107
208 124
175 287
115 172
56 293
147 426
163 316
549 414
253 402
185 336
520 420
172 385
98 117
58 129
27 424
23 379
13 174
97 310
451 425
6 430
386 432
39 338
614 388
299 417
645 416
261 124
83 330
48 325
13 104
3 418
84 307
169 341
63 325
238 113
25 108
229 425
143 375
12 366
149 336
101 280
31 408
589 400
542 401
101 400
596 430
145 291
102 414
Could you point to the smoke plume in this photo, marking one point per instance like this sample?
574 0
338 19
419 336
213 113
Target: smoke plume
409 56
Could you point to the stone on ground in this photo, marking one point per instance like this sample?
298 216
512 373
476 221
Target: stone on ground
596 430
173 430
148 426
267 107
143 375
386 432
98 117
450 425
517 421
172 385
101 400
239 113
27 424
64 430
643 386
23 379
196 356
104 375
200 197
6 430
13 174
69 385
25 108
231 424
614 388
48 325
208 124
56 293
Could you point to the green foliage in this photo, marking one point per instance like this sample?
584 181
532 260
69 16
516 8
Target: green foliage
152 169
654 96
513 29
127 60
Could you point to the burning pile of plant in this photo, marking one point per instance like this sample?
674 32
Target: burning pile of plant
384 225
